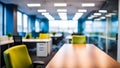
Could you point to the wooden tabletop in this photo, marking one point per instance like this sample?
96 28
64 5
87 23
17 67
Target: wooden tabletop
82 56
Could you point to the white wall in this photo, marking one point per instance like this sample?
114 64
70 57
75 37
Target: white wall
118 47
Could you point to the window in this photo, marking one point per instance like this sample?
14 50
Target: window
1 19
63 26
95 26
25 23
19 21
37 28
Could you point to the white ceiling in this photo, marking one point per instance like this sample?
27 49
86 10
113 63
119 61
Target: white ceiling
72 7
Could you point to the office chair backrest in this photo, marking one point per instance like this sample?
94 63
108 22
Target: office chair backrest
78 39
17 40
17 57
44 36
28 36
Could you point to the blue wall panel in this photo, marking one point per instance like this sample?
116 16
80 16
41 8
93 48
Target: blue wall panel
9 19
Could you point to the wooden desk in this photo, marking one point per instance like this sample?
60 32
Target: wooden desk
81 56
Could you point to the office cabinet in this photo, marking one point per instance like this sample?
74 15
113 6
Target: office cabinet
41 49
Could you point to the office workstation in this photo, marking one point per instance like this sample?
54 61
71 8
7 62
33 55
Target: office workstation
59 34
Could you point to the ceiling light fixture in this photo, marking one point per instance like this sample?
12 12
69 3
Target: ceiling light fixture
103 11
82 10
61 10
98 19
34 5
60 4
77 16
88 4
47 15
97 14
102 17
41 10
63 16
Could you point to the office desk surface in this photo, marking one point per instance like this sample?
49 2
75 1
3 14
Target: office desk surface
25 40
81 56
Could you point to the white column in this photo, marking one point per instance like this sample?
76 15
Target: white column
118 46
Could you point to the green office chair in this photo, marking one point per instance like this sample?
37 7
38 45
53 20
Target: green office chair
78 39
18 57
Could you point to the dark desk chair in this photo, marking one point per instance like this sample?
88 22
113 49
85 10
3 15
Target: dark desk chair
18 57
17 40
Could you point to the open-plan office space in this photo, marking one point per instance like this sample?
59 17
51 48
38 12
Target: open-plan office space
59 34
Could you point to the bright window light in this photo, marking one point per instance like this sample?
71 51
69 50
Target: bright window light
19 21
25 23
60 4
61 10
68 26
34 5
37 26
88 4
41 10
82 10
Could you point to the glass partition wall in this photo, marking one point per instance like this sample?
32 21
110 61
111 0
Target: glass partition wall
102 30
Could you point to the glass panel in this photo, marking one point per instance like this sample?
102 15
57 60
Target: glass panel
63 26
37 26
19 21
25 23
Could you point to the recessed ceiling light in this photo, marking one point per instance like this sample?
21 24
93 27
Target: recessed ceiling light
88 4
108 15
82 10
97 14
60 4
41 10
103 11
61 10
47 15
102 17
34 5
77 16
98 19
63 16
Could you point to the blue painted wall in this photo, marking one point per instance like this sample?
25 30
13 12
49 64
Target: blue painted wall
80 25
8 19
32 25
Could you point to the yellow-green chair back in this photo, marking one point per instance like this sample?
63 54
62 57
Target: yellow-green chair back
28 36
44 36
17 57
78 39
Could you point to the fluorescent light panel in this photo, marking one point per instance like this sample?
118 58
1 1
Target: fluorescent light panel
77 16
34 5
102 17
47 15
98 19
61 10
103 11
108 15
97 14
82 10
41 10
88 4
60 4
63 16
